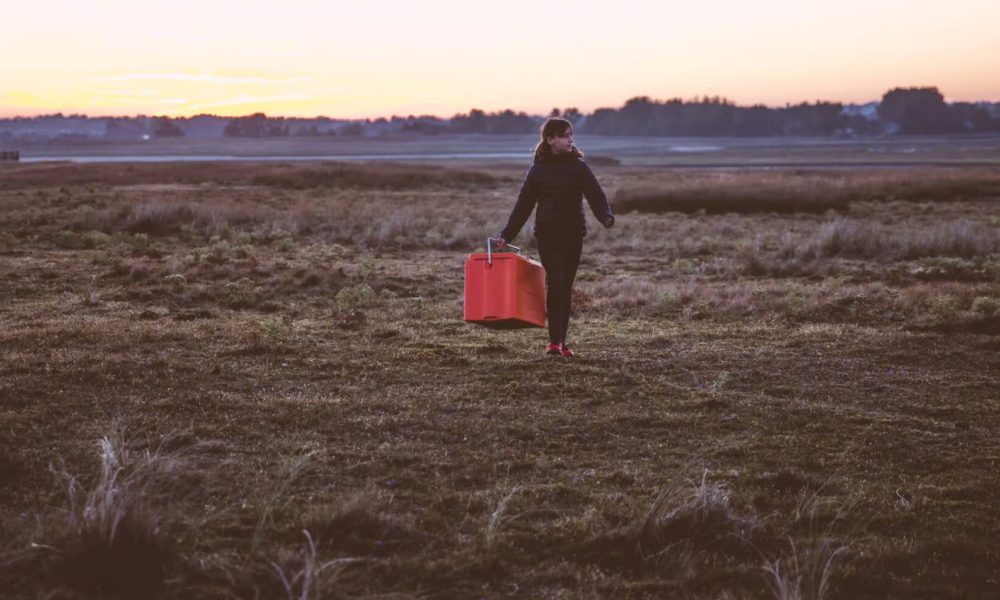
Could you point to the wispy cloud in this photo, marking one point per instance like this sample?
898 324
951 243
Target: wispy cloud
250 100
203 78
121 93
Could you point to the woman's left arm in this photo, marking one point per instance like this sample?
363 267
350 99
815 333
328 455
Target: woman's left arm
596 198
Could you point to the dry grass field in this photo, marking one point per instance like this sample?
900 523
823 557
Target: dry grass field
253 381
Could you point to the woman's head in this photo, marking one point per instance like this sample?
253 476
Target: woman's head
557 139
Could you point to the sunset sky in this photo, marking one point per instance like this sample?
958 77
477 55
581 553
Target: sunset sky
350 59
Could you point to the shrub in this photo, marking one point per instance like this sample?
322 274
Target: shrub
356 296
242 293
943 308
284 244
176 281
267 333
67 240
96 239
138 242
985 305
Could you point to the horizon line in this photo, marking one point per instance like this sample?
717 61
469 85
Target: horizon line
692 100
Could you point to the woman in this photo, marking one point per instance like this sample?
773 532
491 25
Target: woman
556 182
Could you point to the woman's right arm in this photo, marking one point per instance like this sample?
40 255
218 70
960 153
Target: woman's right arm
526 200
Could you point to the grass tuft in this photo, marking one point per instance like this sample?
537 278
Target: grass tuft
312 579
116 543
280 495
869 239
682 519
807 571
495 519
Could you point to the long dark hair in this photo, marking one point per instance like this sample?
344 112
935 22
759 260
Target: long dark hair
554 127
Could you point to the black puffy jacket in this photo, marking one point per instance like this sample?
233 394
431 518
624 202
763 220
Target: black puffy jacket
557 183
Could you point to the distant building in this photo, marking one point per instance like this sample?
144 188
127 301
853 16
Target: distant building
868 112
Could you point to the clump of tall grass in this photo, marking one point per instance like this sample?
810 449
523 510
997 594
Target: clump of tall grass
496 516
160 217
409 228
312 579
280 495
361 295
806 570
697 516
736 194
164 217
798 192
267 334
756 261
986 306
867 239
806 573
116 543
959 249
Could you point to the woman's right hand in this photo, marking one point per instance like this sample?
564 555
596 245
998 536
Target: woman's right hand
500 242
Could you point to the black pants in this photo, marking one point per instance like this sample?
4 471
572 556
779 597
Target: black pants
560 254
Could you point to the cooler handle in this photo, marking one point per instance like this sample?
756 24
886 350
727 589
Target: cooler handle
489 250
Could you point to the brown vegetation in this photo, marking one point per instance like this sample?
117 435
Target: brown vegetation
295 175
228 389
800 191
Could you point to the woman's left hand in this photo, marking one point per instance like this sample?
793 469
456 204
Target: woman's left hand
608 221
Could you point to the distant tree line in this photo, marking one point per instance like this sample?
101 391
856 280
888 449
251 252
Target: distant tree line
903 111
909 111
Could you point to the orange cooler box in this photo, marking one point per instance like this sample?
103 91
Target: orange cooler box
504 291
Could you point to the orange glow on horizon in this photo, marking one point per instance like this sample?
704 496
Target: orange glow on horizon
107 58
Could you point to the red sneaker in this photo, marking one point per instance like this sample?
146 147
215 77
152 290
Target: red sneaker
564 351
554 349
